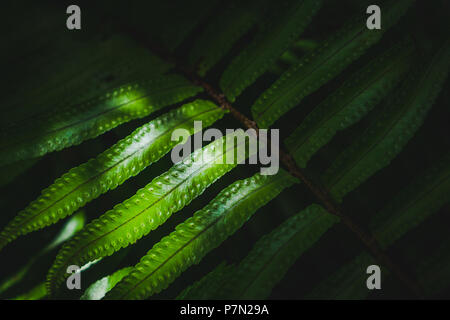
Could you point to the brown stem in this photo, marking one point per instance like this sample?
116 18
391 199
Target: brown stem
286 159
321 193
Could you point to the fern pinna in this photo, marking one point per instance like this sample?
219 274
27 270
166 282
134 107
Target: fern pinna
89 117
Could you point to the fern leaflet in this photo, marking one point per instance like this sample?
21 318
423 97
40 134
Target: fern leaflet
268 46
123 160
348 104
321 65
150 207
198 235
391 128
58 129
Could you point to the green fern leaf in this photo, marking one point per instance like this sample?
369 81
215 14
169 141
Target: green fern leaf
125 159
10 172
72 226
206 287
348 104
348 282
293 55
427 194
283 30
150 207
199 234
171 24
321 65
36 293
220 35
98 289
59 129
73 78
391 128
414 204
274 254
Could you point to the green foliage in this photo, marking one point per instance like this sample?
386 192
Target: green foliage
407 210
371 114
150 207
206 287
424 196
268 45
98 289
268 261
350 103
198 235
76 123
321 65
111 168
216 40
349 282
36 293
391 128
72 226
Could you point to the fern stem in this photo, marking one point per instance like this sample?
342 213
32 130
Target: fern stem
287 161
320 192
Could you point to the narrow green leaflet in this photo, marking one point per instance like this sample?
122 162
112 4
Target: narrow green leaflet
58 129
220 35
282 30
36 293
350 102
10 172
347 283
209 285
111 168
411 206
293 55
152 205
198 235
424 196
98 289
72 226
268 261
322 64
171 23
274 254
391 128
75 76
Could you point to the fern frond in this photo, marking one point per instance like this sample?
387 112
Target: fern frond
149 208
69 229
349 103
282 31
293 55
427 194
220 35
274 254
207 286
409 208
10 172
111 168
167 22
36 293
391 128
98 289
198 235
321 65
348 282
72 78
58 129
